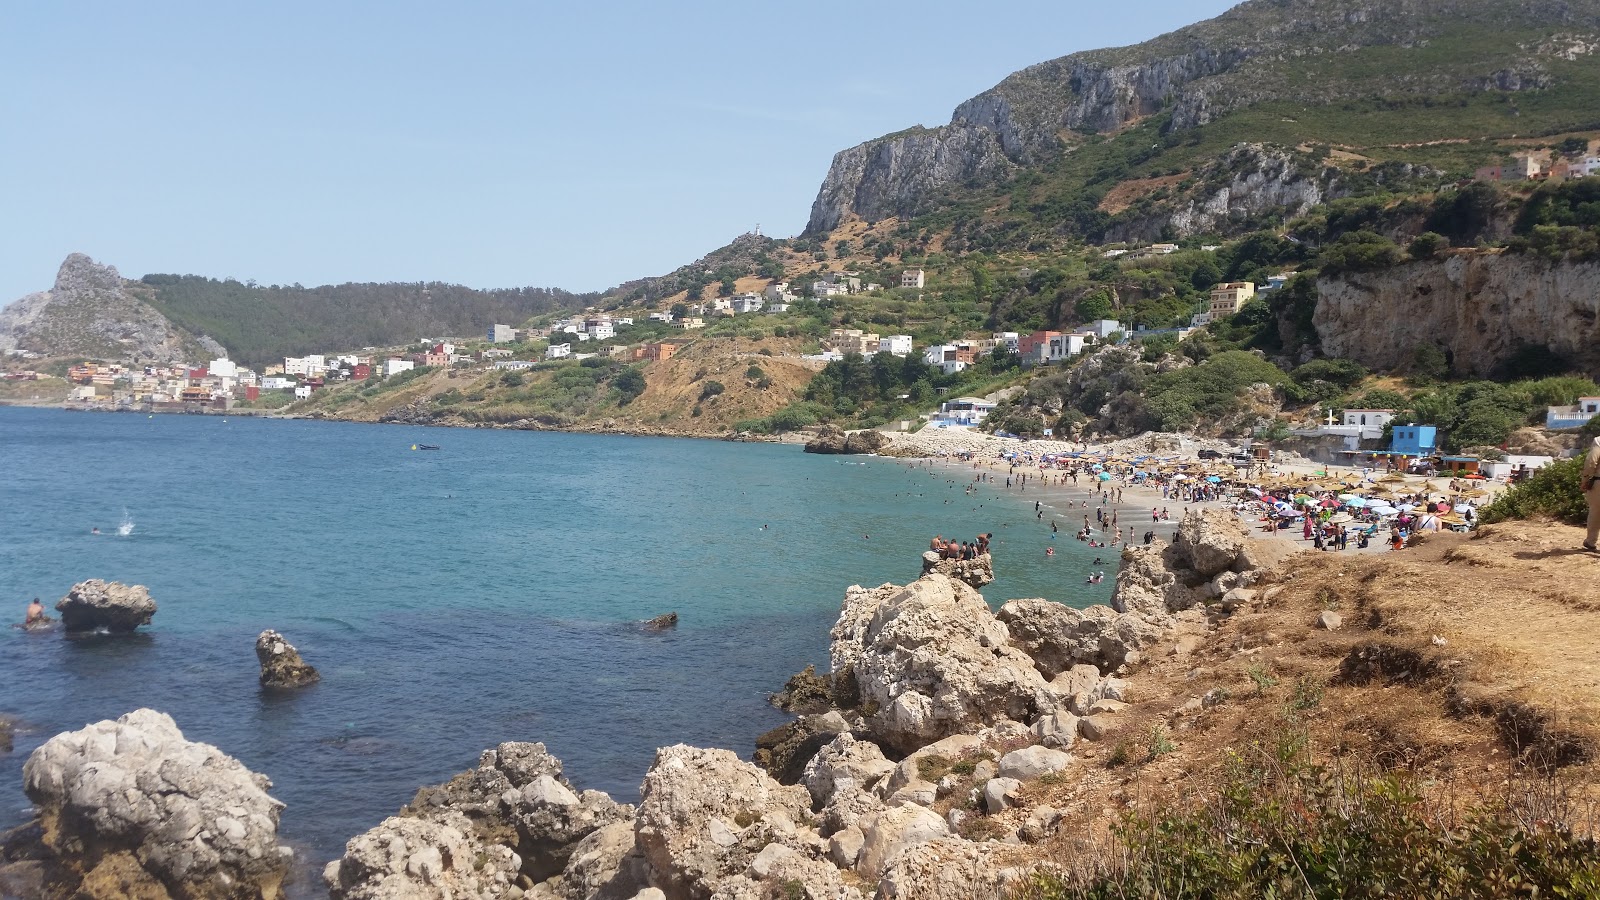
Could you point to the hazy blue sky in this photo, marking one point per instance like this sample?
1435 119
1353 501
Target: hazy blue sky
491 144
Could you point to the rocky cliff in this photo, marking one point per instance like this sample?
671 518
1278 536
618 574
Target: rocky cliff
1481 309
92 312
1305 51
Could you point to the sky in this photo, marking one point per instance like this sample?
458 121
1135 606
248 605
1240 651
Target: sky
573 145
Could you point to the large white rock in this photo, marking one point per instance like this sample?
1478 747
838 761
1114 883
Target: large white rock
1059 638
191 815
1029 763
844 761
931 660
116 607
421 859
951 869
705 814
890 832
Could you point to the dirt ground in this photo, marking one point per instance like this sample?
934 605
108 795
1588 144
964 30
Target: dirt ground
1470 661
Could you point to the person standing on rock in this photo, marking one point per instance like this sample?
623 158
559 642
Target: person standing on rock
1590 483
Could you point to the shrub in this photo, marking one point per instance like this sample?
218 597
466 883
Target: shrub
711 389
1427 245
1552 492
1290 828
630 384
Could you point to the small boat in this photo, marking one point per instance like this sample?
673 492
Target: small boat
424 446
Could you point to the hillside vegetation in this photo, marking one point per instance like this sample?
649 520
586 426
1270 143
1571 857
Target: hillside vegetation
262 324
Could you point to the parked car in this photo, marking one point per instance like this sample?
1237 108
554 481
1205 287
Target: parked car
1210 454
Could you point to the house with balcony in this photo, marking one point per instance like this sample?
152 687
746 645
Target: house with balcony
1567 418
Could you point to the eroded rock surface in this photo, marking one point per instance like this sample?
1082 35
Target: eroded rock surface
133 801
281 665
116 607
974 572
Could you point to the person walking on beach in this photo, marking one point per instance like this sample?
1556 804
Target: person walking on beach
1589 481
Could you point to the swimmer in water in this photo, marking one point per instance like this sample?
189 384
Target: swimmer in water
94 531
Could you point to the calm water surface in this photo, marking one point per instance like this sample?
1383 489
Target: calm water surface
485 592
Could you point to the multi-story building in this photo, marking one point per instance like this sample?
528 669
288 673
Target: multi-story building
913 278
1227 298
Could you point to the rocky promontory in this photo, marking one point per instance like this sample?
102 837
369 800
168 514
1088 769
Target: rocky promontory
130 808
115 607
835 440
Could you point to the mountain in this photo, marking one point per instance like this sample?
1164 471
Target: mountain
93 312
1365 88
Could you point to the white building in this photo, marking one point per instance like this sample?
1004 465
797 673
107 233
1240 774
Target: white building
276 383
601 331
747 303
661 317
828 289
1558 418
558 351
964 411
895 344
223 368
502 334
310 366
392 366
1065 346
1104 328
913 278
302 391
1011 340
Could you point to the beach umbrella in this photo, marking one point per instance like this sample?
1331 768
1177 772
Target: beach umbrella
1383 510
1105 476
1213 479
1342 519
1444 507
1180 477
1355 503
1254 492
1406 507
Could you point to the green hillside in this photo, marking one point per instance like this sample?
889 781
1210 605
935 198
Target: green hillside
263 324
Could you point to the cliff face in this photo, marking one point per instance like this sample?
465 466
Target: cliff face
92 312
1480 309
1310 52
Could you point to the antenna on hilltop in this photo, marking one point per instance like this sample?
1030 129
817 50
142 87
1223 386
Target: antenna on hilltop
757 232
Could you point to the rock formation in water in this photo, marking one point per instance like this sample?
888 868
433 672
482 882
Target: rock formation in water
932 698
116 607
833 439
662 622
281 665
1480 309
974 572
131 808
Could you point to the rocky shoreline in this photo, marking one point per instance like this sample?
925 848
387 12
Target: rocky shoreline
901 777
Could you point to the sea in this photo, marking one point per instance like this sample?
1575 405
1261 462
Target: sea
490 590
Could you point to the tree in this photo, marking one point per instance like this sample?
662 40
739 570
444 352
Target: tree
1093 307
630 384
725 289
1428 363
680 310
1427 245
711 389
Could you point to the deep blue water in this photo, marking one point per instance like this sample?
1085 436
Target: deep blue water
453 599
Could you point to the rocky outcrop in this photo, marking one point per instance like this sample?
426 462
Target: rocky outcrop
1058 637
281 665
1480 309
662 622
706 817
892 176
931 660
92 312
133 800
115 607
420 858
974 572
835 440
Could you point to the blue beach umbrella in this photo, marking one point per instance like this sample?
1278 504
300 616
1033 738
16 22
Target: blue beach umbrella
1105 476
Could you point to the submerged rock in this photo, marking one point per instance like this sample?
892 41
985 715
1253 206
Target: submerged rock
6 727
133 802
281 665
94 604
662 623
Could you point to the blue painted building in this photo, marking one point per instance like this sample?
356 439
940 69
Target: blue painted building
1414 440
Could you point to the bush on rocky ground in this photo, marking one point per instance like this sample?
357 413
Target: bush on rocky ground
1552 492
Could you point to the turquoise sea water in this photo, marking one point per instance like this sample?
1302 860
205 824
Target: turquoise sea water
485 592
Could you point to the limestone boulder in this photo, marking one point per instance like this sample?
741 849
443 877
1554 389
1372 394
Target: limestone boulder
115 607
1030 763
1148 584
951 869
975 572
779 870
422 859
891 832
704 815
1058 637
281 665
845 763
170 811
930 660
1210 541
518 797
605 865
